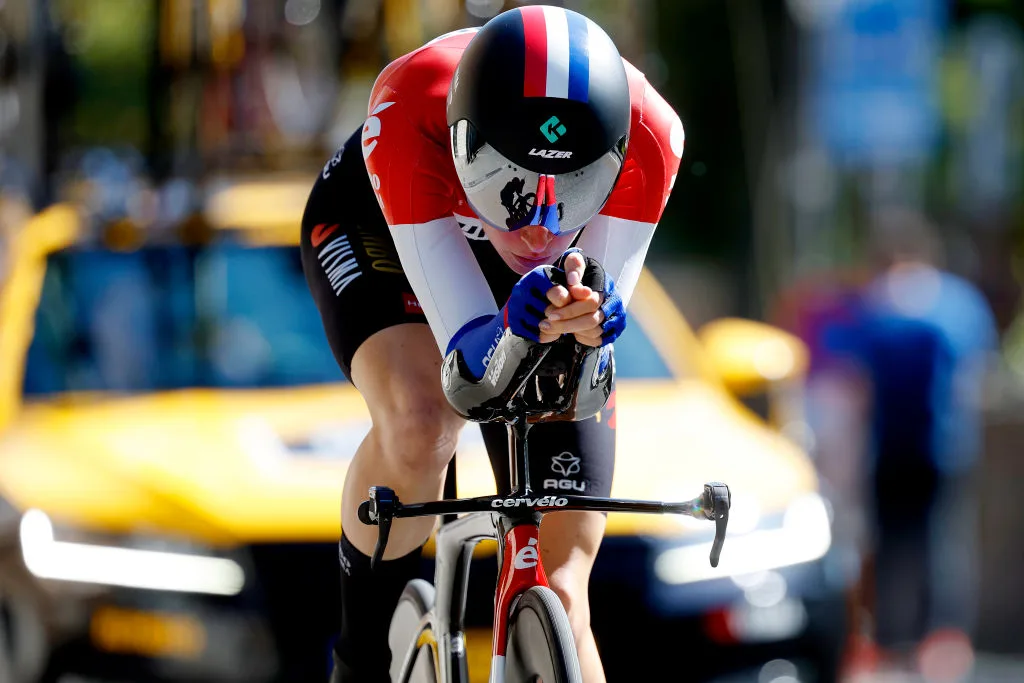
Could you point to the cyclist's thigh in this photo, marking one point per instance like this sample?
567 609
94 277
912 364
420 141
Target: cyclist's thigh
351 265
398 372
565 457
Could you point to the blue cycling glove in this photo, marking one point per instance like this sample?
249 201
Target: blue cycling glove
525 307
595 277
614 313
522 314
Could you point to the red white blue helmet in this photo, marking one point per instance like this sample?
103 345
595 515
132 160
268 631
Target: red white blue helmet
539 112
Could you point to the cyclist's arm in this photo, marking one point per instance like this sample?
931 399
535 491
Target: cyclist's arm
455 296
621 234
405 147
445 277
407 170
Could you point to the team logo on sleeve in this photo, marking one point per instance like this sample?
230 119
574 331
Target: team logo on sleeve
372 128
472 228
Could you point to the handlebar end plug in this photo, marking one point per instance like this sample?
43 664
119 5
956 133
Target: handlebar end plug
364 514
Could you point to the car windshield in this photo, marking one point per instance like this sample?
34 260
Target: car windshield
224 315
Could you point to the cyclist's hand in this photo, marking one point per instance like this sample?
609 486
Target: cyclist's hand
560 296
574 310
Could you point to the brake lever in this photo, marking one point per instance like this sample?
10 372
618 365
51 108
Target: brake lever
717 501
380 510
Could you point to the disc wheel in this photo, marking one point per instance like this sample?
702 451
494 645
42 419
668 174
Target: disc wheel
541 648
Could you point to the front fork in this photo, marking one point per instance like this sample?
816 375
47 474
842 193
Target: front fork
519 550
521 569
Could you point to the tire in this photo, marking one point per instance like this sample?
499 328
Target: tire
24 645
406 631
541 648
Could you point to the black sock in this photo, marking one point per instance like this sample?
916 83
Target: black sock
368 599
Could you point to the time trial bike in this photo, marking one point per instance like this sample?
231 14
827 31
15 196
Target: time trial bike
532 641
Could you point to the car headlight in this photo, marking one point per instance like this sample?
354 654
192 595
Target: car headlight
805 536
110 565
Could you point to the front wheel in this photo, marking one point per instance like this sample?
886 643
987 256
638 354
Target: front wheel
410 636
541 648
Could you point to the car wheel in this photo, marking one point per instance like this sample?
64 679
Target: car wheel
22 638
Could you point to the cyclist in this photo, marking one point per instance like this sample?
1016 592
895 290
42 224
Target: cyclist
487 155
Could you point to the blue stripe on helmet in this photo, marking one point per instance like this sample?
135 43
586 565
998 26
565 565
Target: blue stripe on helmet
579 57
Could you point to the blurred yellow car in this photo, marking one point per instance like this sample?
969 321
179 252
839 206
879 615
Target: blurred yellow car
174 434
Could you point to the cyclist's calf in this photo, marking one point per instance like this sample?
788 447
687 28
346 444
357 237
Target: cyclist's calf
570 585
569 544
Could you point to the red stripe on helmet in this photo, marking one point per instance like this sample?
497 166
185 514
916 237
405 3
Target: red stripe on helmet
535 37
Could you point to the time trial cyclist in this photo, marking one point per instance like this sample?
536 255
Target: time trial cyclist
487 156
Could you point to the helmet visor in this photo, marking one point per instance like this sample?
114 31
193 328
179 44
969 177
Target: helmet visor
504 194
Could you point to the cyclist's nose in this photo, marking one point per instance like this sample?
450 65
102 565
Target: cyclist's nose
536 238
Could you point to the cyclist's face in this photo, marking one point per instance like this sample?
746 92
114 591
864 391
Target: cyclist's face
529 247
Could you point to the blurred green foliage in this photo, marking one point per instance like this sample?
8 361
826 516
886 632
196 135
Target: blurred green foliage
110 44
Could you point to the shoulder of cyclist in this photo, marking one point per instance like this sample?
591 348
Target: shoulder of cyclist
405 135
656 142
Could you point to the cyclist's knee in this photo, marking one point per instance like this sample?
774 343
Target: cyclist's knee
419 437
417 431
398 372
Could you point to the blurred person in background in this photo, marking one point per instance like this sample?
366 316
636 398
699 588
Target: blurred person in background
920 343
810 308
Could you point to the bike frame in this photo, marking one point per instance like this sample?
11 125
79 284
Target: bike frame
521 568
515 521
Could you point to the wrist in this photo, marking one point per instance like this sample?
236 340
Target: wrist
477 340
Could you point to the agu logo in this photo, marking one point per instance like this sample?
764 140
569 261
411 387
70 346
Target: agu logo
565 463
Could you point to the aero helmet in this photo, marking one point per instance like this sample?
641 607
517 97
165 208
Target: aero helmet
539 112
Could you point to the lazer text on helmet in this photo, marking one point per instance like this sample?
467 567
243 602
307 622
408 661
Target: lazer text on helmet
549 153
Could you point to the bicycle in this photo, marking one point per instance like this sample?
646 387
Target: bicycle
532 639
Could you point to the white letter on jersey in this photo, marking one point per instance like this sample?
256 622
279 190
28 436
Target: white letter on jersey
371 129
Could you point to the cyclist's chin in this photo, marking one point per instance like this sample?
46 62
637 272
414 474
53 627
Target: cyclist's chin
524 264
509 247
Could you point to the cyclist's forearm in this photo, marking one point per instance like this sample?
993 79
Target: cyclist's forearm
444 276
